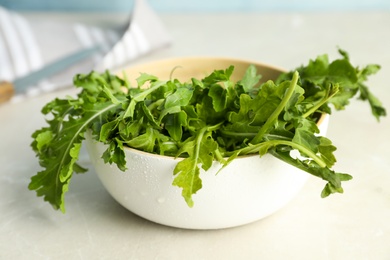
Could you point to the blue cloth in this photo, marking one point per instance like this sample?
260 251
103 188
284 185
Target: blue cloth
201 5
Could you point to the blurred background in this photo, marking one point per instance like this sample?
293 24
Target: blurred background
199 5
284 33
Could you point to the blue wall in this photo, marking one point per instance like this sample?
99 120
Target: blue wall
200 5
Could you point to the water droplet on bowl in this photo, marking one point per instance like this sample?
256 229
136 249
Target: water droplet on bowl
161 200
143 193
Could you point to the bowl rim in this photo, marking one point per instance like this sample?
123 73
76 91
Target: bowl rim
200 57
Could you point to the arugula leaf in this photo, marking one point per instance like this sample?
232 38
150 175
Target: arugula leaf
201 121
376 106
250 79
115 154
305 137
180 97
339 79
140 96
187 171
326 149
42 138
187 178
280 107
334 179
218 96
174 124
219 76
146 141
60 153
201 151
144 77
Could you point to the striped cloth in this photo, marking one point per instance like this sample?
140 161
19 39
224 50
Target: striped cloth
23 50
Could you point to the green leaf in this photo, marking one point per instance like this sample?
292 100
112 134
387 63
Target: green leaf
344 53
250 79
149 116
376 106
197 83
316 70
187 178
180 97
67 168
110 95
326 149
241 120
130 129
365 94
219 76
218 96
342 72
115 154
59 156
306 139
206 151
187 148
267 100
141 96
130 109
333 179
368 70
144 77
174 124
202 121
305 134
264 148
107 129
42 139
167 111
145 142
289 88
200 151
206 113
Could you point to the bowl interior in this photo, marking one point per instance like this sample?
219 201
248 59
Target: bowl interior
198 67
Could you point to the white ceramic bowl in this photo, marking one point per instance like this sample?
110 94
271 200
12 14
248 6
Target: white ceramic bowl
248 189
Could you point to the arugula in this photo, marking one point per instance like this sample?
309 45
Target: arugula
204 120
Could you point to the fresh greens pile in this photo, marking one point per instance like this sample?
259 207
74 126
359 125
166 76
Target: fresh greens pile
204 120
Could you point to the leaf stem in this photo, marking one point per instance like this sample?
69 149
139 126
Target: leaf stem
256 147
70 144
219 156
237 134
302 149
213 127
278 110
333 92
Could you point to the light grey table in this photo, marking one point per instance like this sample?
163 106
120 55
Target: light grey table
355 225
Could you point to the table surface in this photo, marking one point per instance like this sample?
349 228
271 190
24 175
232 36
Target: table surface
354 225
